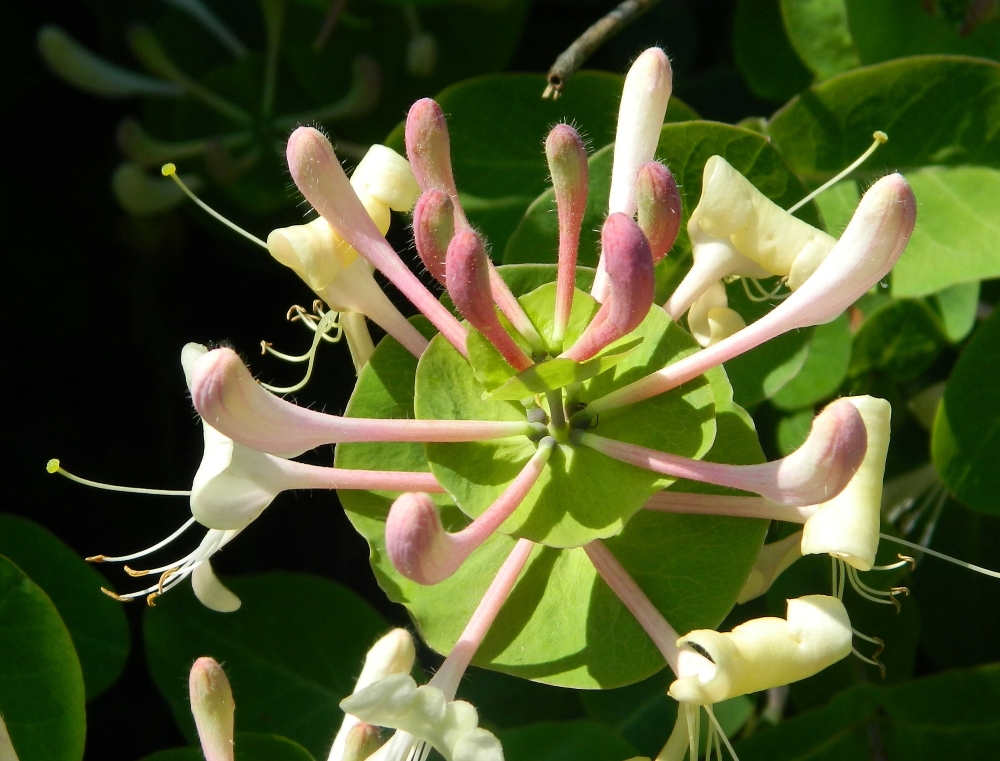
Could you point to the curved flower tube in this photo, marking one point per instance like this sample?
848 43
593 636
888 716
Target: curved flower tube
710 319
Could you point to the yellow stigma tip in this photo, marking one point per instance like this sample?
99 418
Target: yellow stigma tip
880 137
168 169
52 466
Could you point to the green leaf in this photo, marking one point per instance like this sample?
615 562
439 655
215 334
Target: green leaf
564 741
497 125
837 205
957 306
819 33
828 126
793 431
763 52
901 339
41 684
684 147
824 370
886 29
504 701
581 495
966 434
558 373
955 240
249 746
96 622
561 625
292 652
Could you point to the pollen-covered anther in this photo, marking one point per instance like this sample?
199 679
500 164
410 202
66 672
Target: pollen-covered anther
467 269
433 229
658 202
633 285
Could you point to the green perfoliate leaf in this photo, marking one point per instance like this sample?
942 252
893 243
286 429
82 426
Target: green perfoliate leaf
966 435
559 741
957 306
561 625
581 495
249 746
955 240
824 370
763 52
900 339
41 684
558 373
292 652
96 622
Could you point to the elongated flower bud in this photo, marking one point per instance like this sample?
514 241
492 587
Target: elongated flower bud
231 401
821 467
468 275
870 246
710 319
762 653
213 708
633 285
429 150
567 158
433 229
848 525
659 207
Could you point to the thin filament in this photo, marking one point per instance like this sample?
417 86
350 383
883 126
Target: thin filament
880 138
720 734
329 321
169 170
142 553
53 466
942 556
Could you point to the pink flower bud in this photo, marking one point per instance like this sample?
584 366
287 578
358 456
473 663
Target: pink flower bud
433 229
468 277
567 157
429 151
417 543
633 285
229 399
659 206
213 708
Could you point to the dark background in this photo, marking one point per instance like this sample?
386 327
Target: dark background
98 305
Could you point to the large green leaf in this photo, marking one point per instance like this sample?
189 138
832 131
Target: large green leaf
900 340
824 370
292 652
820 34
96 622
958 229
763 52
41 684
967 428
828 126
498 124
561 624
950 714
249 746
565 741
886 29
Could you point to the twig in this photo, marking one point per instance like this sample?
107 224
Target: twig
329 24
573 57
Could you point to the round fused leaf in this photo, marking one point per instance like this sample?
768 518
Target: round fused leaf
96 622
581 495
41 684
249 746
561 625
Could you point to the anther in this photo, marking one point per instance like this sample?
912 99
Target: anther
879 137
165 577
169 170
96 559
115 595
151 599
134 573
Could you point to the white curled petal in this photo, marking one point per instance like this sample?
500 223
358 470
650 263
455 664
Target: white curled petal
211 592
386 176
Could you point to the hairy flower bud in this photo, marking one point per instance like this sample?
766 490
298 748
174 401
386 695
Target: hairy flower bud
416 542
429 150
433 229
213 708
659 207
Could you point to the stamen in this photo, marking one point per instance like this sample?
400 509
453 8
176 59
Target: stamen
115 596
764 295
903 560
330 321
169 170
880 139
53 466
159 545
942 556
868 593
720 734
880 648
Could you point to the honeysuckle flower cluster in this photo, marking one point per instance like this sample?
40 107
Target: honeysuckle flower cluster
536 362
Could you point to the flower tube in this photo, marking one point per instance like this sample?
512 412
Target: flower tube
870 246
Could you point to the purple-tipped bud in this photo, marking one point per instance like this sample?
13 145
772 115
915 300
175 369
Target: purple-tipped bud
659 206
416 542
633 284
567 157
213 708
433 229
468 283
429 150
